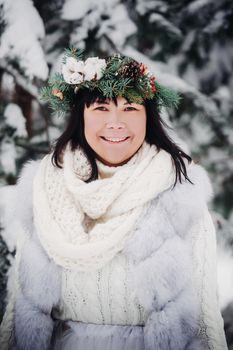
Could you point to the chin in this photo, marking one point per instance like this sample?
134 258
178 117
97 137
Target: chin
113 161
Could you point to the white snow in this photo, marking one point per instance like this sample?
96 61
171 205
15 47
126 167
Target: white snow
220 56
164 24
196 6
7 84
79 35
74 10
7 199
53 133
21 39
216 23
8 156
15 119
201 131
191 76
117 25
147 6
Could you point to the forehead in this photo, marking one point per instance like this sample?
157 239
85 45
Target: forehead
107 101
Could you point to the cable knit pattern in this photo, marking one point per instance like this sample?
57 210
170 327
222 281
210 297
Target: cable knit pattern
202 238
61 199
103 296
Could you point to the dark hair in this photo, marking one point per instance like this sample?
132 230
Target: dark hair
155 134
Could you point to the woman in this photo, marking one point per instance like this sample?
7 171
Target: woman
119 250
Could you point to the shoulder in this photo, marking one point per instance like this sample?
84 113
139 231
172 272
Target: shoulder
172 214
28 171
200 190
25 180
186 203
27 174
201 186
23 194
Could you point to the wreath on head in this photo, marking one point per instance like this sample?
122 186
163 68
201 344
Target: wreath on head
116 75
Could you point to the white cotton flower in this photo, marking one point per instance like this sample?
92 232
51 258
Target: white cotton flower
72 78
79 68
92 61
93 68
101 66
76 78
72 71
73 65
90 72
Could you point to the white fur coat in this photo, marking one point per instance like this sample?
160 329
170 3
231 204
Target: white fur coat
162 251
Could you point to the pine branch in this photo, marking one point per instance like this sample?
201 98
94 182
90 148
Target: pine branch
73 52
167 97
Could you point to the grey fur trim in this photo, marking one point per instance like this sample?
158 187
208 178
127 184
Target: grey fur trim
172 213
163 265
23 205
145 240
40 277
185 204
33 329
174 327
40 282
160 274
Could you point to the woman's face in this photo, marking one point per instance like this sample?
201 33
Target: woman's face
115 132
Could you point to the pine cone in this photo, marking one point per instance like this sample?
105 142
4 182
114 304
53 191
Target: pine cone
130 70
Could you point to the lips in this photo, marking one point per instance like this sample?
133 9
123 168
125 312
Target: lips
114 139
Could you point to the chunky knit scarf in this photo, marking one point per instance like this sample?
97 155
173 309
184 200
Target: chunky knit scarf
83 225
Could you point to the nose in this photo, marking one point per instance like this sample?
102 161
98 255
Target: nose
114 122
115 125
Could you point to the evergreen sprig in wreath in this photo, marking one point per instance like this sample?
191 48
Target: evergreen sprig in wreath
118 75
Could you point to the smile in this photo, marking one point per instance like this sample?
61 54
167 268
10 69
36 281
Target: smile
114 139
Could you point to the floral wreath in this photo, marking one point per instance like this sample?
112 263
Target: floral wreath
117 75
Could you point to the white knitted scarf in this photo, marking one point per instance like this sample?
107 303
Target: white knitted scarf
83 225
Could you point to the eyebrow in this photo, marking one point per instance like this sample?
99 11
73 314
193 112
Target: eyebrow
101 103
107 103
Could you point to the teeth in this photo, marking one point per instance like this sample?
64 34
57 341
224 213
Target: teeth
115 139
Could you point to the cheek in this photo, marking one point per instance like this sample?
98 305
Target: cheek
91 127
138 127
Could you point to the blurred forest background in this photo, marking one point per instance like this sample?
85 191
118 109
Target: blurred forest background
187 44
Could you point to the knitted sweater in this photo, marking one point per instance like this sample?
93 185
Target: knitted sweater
105 296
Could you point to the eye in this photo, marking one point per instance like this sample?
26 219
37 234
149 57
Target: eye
130 108
101 108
